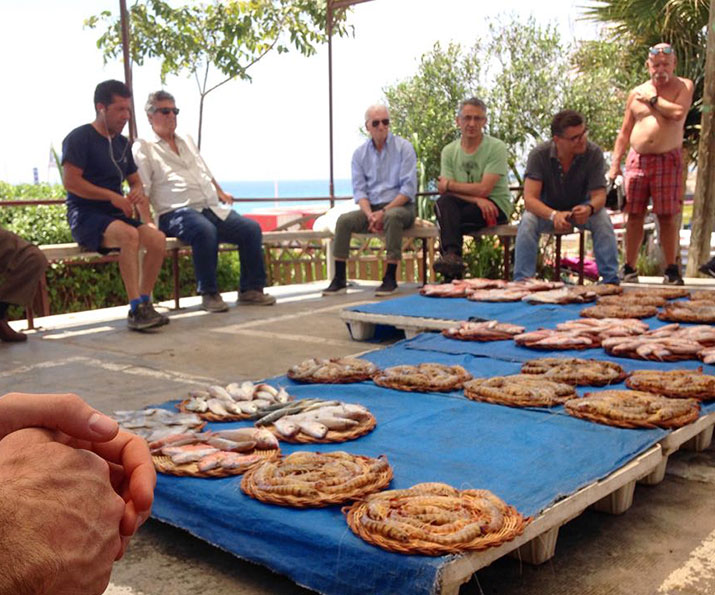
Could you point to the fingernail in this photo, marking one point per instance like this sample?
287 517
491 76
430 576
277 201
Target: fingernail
101 424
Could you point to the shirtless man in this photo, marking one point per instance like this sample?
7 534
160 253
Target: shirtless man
653 126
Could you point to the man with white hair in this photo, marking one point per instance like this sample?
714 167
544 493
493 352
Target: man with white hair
384 175
193 207
653 127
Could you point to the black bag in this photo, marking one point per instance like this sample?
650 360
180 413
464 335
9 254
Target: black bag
615 196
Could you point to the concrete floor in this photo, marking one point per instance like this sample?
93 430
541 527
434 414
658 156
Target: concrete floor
664 544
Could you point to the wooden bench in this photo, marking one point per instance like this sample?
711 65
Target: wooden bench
423 230
506 232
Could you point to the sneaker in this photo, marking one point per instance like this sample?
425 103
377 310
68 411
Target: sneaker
672 275
450 265
336 286
254 297
628 274
162 317
708 268
213 302
144 317
387 287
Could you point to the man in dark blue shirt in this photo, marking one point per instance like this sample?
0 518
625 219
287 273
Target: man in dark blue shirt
97 159
565 186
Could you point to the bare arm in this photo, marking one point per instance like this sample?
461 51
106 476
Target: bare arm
597 199
623 139
533 204
469 190
224 197
678 108
76 184
140 200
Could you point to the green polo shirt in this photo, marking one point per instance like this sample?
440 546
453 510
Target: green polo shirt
489 158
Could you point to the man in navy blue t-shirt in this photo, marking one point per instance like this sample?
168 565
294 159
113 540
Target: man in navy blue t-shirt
97 159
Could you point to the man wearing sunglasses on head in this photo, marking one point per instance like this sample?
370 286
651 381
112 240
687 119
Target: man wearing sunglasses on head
384 175
473 186
565 186
193 207
653 127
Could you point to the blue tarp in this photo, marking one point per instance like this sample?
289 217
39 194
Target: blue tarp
530 316
529 458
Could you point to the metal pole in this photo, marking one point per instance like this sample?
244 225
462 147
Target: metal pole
124 19
330 99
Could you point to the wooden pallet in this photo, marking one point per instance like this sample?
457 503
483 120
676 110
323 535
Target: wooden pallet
362 324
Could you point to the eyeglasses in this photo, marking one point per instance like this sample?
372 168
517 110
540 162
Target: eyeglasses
576 137
667 50
473 118
384 121
167 110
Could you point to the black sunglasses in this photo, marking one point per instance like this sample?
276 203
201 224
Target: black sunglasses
385 122
667 50
167 110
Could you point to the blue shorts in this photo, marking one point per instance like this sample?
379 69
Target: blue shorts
88 226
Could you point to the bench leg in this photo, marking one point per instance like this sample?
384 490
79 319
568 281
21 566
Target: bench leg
558 259
424 261
581 253
506 241
175 272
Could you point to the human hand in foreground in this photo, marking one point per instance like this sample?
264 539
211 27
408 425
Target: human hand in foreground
489 210
378 221
77 424
59 517
225 197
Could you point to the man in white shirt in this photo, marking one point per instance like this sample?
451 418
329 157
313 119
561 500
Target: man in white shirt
192 206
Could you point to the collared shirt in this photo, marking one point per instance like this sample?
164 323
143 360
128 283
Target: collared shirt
380 176
564 191
174 181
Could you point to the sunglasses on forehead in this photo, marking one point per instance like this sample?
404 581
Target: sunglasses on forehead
167 110
376 123
667 50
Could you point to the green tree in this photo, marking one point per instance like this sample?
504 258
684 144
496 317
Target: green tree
423 107
217 42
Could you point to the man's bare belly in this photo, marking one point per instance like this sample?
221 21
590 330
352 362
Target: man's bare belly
651 137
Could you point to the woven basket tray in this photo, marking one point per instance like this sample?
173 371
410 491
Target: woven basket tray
164 464
675 357
502 396
677 384
383 378
579 373
671 315
514 524
364 426
626 310
688 416
320 498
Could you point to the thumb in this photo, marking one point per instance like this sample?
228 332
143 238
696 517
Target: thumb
65 412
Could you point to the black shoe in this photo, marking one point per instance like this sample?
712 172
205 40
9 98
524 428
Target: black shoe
672 275
144 317
708 268
336 286
450 265
628 274
163 317
387 287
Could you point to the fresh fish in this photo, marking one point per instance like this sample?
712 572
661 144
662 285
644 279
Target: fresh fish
234 460
265 440
216 406
282 396
173 440
198 405
286 427
237 393
336 423
219 392
211 461
190 453
248 407
238 434
231 445
263 387
312 428
199 394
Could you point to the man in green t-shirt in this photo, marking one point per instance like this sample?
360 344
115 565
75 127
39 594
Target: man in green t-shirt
473 186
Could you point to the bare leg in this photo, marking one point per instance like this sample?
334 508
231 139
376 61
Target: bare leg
125 237
634 237
154 242
669 237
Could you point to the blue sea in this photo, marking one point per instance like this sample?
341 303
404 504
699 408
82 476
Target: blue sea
274 191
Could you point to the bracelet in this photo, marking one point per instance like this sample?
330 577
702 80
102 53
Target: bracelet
593 210
553 215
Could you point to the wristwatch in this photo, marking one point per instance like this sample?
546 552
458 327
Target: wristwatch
593 210
552 216
653 100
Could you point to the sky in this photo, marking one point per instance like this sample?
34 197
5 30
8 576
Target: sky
275 128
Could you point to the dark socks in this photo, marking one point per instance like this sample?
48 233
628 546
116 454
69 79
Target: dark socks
3 309
391 271
133 304
340 270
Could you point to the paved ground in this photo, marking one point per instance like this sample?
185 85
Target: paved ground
664 544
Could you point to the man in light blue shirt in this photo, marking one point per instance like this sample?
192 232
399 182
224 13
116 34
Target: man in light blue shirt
384 174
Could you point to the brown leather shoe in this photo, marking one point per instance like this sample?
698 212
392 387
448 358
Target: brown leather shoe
8 335
253 297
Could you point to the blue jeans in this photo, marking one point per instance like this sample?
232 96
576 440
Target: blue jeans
604 245
204 231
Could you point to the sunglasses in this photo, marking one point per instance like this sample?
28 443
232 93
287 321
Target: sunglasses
385 122
655 51
167 110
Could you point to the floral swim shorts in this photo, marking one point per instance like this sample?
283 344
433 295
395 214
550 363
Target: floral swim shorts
659 176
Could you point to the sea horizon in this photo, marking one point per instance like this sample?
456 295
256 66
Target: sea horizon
274 190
